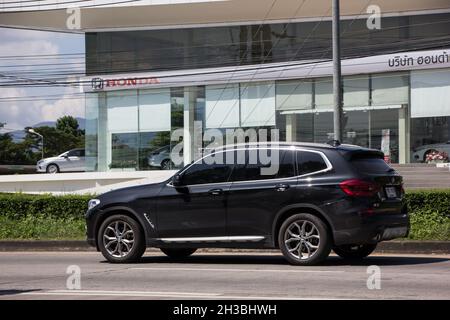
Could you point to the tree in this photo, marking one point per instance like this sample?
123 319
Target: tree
12 152
69 125
65 136
56 141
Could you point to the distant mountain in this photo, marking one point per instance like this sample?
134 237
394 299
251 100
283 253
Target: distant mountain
81 123
20 134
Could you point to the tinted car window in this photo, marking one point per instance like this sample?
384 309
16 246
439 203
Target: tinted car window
201 172
76 153
309 162
252 171
371 165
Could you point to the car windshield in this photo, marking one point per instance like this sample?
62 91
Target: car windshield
63 154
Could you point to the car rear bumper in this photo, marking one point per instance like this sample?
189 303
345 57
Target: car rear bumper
375 229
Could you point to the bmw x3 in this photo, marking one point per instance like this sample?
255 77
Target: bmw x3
320 198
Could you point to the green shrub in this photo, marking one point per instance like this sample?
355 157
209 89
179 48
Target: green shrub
19 205
430 214
24 216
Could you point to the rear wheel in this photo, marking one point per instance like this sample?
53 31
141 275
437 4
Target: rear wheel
304 239
354 251
178 253
167 164
121 239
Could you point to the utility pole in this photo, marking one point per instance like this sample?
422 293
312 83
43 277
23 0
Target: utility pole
337 83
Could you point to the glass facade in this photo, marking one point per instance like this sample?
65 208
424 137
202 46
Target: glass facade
404 114
130 129
133 129
192 48
305 110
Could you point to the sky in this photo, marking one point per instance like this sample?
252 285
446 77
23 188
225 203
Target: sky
14 45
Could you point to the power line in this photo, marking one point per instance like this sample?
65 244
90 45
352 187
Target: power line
246 87
109 52
65 82
420 43
92 95
67 73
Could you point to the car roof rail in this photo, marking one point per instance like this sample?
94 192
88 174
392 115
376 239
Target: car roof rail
334 143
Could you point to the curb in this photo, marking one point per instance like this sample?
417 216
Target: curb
412 246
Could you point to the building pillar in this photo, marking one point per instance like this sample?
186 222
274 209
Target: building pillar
188 124
403 135
104 145
291 127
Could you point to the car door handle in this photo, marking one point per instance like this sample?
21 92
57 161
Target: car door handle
215 192
281 187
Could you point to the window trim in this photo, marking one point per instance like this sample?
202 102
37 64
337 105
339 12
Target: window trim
292 148
325 159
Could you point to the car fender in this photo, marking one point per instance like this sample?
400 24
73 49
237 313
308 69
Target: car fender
309 206
140 218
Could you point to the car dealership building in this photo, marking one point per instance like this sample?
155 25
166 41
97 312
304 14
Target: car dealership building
154 67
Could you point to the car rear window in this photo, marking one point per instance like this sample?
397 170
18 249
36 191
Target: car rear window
371 165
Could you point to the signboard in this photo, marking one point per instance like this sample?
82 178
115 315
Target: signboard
269 72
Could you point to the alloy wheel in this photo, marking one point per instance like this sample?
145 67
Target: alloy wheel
52 168
302 239
118 239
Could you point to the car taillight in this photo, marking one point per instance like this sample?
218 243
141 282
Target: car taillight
359 188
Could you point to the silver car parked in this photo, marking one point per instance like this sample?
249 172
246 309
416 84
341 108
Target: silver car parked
420 153
69 161
161 158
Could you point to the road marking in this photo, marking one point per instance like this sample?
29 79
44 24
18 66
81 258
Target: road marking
154 294
237 270
123 293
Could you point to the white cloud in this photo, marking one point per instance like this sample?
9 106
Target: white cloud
32 47
19 114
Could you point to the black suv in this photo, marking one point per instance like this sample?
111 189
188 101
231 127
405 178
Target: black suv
321 197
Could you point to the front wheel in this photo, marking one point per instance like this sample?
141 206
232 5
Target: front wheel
121 239
354 251
178 253
304 239
52 168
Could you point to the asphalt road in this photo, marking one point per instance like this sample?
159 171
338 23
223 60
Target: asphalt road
42 275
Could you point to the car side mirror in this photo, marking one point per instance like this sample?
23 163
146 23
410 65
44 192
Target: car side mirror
65 156
177 180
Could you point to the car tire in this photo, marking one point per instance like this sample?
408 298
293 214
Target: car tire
129 243
167 164
178 253
52 168
354 251
313 237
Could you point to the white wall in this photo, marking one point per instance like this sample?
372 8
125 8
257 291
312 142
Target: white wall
79 183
